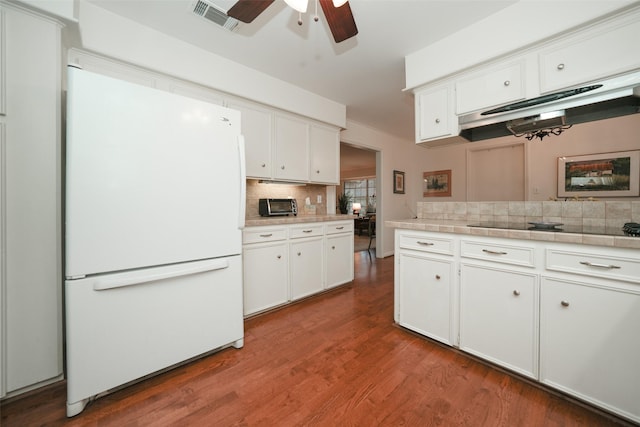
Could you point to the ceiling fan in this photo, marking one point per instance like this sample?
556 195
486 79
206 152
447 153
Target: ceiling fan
337 12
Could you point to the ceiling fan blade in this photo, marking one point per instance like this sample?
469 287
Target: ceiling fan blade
248 10
340 20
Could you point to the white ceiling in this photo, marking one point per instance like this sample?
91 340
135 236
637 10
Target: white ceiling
365 73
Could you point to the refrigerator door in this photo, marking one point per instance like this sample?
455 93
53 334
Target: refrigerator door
123 326
153 178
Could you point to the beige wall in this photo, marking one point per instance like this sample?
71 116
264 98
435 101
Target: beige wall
541 157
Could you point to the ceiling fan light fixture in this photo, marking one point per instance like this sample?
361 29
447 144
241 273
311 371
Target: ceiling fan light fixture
338 3
298 5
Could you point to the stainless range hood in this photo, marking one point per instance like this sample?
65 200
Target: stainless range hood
555 112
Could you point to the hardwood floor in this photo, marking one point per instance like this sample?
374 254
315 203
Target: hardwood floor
334 359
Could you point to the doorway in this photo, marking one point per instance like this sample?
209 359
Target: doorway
358 178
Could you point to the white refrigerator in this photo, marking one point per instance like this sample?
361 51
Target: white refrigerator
154 207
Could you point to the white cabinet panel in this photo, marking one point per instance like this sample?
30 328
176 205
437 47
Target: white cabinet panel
426 296
492 87
265 276
291 149
589 344
324 155
499 317
306 263
257 129
339 257
31 249
592 55
435 117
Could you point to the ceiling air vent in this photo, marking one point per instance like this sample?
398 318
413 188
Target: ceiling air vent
213 13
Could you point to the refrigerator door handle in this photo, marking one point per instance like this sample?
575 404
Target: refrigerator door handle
106 283
243 182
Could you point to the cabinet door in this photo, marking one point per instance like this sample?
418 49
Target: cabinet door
425 293
589 344
258 135
598 54
490 88
306 262
435 114
292 149
498 317
31 324
339 256
265 276
324 148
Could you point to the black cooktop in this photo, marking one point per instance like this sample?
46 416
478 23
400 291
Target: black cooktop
563 228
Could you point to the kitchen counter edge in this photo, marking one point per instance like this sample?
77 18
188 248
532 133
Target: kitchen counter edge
461 227
300 219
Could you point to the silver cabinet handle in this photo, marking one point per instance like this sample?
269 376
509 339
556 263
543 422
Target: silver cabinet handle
318 171
560 67
333 247
299 253
437 120
424 243
437 277
516 292
266 235
279 256
507 83
488 251
307 231
564 303
339 228
282 167
264 165
596 265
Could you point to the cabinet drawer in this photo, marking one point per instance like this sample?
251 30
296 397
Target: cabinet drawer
339 227
440 245
594 264
257 235
491 88
502 253
306 231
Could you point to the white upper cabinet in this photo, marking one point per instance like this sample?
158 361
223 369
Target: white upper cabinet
595 54
491 87
324 154
291 149
257 128
435 117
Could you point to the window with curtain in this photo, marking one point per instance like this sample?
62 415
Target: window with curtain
362 191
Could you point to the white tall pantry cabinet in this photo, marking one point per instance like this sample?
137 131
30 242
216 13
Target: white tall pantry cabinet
30 188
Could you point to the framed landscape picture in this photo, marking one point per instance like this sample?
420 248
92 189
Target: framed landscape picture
600 175
436 183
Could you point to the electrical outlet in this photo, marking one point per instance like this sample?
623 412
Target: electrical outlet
319 200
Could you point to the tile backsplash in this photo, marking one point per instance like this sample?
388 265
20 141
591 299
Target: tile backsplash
256 190
592 214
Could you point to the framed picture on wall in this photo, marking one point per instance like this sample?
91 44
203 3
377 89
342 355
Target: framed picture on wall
600 175
398 182
436 183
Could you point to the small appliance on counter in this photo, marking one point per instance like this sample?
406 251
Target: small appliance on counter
277 207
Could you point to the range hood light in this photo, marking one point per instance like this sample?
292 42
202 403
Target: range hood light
539 126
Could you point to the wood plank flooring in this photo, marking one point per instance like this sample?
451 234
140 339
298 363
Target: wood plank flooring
332 360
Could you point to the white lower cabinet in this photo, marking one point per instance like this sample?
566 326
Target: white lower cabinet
306 267
284 263
589 342
498 316
265 276
339 259
426 295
